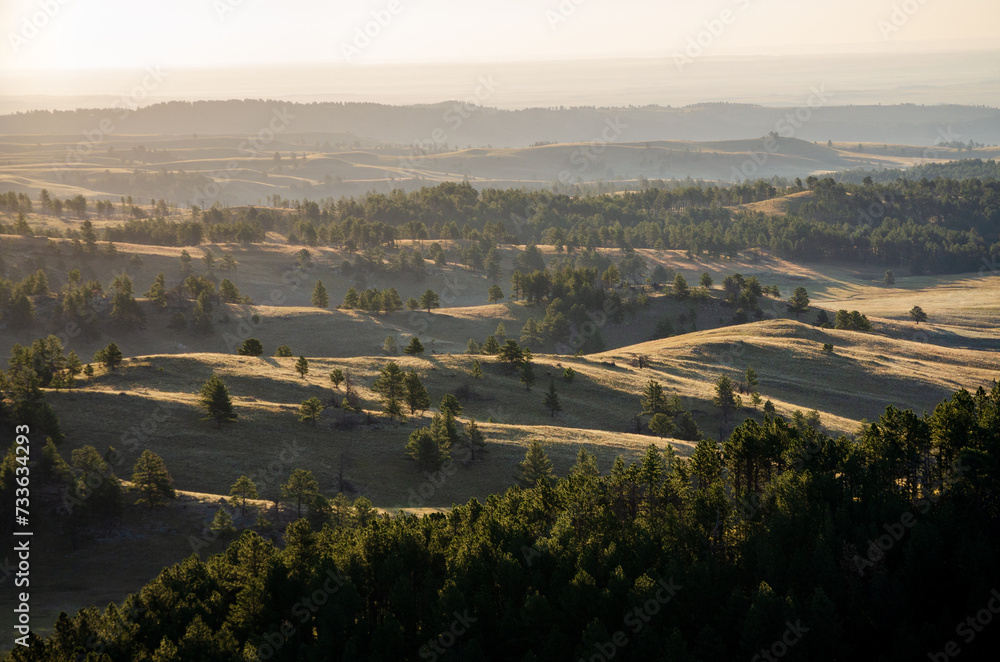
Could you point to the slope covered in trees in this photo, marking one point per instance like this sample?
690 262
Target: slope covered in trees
929 226
782 542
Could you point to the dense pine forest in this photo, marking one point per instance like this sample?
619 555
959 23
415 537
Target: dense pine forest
780 543
925 225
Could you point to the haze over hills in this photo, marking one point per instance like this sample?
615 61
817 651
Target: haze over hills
239 152
459 123
960 75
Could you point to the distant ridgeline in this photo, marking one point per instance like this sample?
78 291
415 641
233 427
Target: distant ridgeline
939 225
789 544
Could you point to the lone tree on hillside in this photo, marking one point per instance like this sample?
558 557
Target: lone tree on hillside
243 489
536 466
151 479
302 367
681 288
250 347
552 400
302 486
474 440
495 293
336 376
109 357
918 314
320 298
414 347
283 352
889 279
215 401
430 300
753 383
799 303
310 410
527 375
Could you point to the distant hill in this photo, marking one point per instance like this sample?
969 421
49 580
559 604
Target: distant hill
456 124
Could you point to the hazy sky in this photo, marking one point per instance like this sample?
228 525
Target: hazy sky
88 34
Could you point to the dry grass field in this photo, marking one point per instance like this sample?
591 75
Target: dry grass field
150 401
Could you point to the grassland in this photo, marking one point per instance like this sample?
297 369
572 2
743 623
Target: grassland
150 401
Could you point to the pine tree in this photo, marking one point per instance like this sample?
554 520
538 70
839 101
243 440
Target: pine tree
302 367
536 465
654 401
336 376
586 464
310 410
444 430
422 447
391 301
661 425
753 384
474 440
320 298
527 375
491 346
109 357
799 303
417 398
223 523
151 479
918 314
229 293
216 402
724 396
283 352
243 489
495 293
450 403
430 300
477 369
350 299
414 347
412 304
157 293
390 385
250 347
389 347
201 316
301 485
552 400
681 289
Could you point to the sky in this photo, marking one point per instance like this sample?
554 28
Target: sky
101 34
64 47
